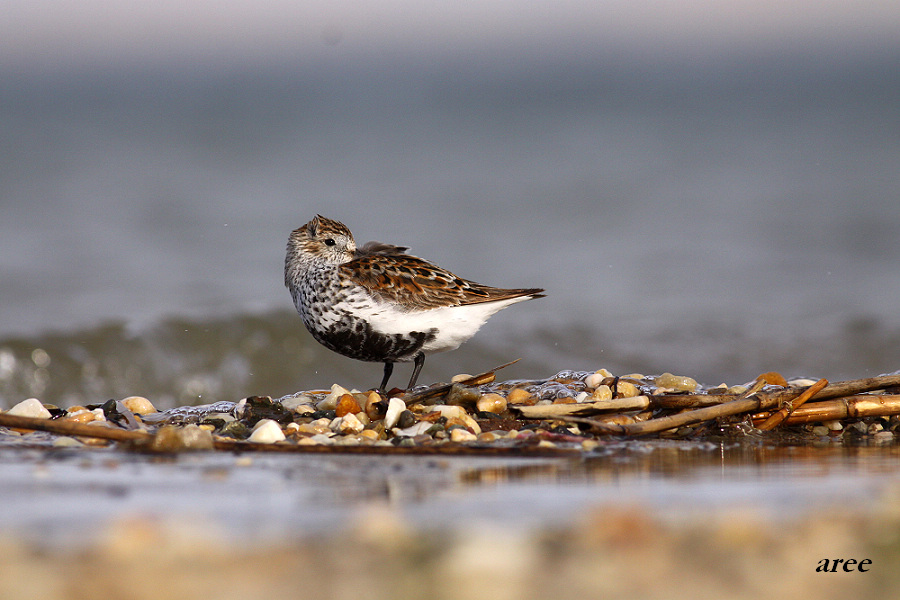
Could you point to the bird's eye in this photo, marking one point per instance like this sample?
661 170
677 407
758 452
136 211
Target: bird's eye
330 242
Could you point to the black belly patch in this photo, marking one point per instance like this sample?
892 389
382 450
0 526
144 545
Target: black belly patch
361 342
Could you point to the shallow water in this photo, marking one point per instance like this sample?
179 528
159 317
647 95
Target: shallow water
69 497
716 218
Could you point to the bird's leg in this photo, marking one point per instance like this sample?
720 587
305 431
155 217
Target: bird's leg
418 361
388 369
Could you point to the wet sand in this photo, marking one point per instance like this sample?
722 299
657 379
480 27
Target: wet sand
654 518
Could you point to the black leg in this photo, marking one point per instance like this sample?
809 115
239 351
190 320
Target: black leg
388 369
418 361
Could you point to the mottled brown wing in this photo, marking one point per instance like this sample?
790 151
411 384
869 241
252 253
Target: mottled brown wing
419 285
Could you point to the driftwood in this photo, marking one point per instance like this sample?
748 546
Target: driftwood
775 420
552 411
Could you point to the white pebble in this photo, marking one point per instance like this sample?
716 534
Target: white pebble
602 394
413 430
581 397
331 400
350 424
266 431
462 435
395 407
593 380
30 408
449 411
460 377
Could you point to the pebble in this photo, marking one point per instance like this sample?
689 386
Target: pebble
594 380
350 424
171 438
139 405
602 394
266 431
374 406
395 407
677 383
30 408
330 401
347 404
460 377
417 429
461 395
449 412
492 403
296 403
626 389
519 396
462 435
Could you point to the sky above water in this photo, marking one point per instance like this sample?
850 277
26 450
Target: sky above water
53 33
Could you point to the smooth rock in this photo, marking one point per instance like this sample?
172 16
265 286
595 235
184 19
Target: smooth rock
30 408
601 394
330 401
460 377
266 431
375 406
395 407
626 389
461 395
417 429
350 424
677 383
171 438
347 404
462 435
518 396
139 405
492 403
299 403
449 412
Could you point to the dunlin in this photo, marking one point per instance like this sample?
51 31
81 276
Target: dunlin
379 304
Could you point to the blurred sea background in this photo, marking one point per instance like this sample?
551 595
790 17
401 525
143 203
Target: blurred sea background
707 188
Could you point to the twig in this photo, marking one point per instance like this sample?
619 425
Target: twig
442 389
553 411
773 421
853 407
63 427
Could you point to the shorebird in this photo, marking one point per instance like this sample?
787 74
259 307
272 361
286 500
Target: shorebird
377 303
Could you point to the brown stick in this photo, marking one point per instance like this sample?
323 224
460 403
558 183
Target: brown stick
851 407
552 411
436 391
63 427
773 421
832 390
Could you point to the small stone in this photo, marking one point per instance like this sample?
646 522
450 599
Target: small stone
461 395
678 383
66 442
330 401
883 437
626 389
406 419
487 436
139 405
299 403
471 423
30 408
462 435
833 425
266 431
601 394
375 406
594 379
582 397
519 396
460 377
369 434
82 416
171 438
820 430
449 412
346 404
414 430
350 424
395 407
492 403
